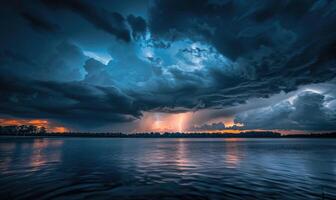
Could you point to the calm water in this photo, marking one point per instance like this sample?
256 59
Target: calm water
100 168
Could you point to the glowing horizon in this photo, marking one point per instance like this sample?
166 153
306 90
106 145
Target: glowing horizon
155 122
50 127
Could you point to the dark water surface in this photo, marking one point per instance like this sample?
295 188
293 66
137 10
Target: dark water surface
133 168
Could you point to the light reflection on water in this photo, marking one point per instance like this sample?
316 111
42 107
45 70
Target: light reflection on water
43 153
101 168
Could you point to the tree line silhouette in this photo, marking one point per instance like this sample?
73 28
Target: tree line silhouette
22 130
31 130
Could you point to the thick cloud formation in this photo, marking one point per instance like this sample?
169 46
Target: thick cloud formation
138 25
213 126
276 45
75 104
108 61
40 24
307 111
113 23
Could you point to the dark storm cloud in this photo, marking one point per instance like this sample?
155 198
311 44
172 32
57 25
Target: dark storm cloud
111 22
183 56
235 27
7 56
138 25
48 76
219 126
308 111
74 104
213 126
61 63
97 73
274 45
39 23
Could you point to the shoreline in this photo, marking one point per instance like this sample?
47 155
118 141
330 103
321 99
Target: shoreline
321 136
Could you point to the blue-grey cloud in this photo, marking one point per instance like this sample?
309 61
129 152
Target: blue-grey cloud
77 105
183 56
39 23
111 22
138 25
212 126
307 111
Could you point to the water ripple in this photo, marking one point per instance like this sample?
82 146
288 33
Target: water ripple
81 168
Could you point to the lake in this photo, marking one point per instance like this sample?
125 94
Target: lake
167 168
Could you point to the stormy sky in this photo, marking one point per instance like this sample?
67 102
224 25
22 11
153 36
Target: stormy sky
169 65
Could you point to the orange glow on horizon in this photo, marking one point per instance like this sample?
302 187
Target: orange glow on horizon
152 122
51 127
164 122
12 122
230 123
59 129
180 122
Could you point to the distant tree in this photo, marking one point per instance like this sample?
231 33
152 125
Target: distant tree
42 130
32 129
